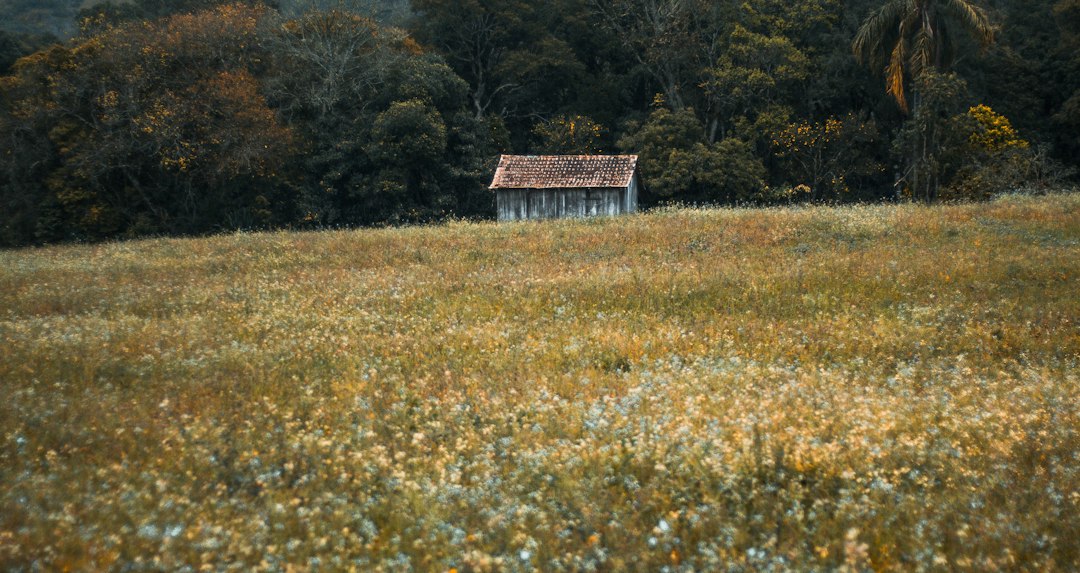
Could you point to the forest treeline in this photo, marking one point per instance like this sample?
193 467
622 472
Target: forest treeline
192 116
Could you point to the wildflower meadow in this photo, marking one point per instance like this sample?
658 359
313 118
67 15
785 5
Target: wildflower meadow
886 388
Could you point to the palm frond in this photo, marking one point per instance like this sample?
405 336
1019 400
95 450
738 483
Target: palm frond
894 74
868 45
972 18
922 51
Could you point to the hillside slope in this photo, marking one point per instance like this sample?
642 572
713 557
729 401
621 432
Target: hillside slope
887 386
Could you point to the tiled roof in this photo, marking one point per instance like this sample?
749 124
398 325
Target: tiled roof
563 171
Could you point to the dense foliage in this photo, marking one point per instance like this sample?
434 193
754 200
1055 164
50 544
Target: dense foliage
857 388
191 116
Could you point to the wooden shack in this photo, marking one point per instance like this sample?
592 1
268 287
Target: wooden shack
554 186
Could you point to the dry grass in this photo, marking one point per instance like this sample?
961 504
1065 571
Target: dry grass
889 388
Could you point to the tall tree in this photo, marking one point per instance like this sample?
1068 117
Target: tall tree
477 37
915 41
387 136
657 33
681 166
754 72
909 37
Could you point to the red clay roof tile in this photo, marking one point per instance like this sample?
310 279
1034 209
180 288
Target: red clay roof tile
563 171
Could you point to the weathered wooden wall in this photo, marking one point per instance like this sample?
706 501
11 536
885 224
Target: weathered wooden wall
517 204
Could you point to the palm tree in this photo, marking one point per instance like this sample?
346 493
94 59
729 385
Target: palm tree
913 36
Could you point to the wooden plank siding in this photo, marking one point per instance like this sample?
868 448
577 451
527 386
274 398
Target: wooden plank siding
518 204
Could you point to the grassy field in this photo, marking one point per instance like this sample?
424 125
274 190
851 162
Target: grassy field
869 388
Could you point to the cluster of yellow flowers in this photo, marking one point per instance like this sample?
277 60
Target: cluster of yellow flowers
994 132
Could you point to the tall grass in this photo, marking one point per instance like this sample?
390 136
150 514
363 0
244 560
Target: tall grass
890 388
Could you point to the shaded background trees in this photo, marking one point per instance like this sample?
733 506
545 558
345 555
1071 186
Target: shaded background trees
386 126
234 117
155 127
191 116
